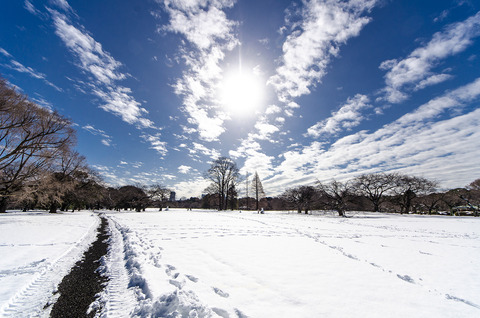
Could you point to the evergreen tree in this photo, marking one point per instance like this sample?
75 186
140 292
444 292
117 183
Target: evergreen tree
257 189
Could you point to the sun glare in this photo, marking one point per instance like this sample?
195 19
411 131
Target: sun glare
241 93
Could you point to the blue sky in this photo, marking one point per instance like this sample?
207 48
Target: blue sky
297 90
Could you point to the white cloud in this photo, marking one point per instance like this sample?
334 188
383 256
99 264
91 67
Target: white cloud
62 4
194 187
307 51
348 116
156 144
4 52
206 27
106 139
432 80
202 149
19 67
272 109
184 169
31 8
416 69
104 68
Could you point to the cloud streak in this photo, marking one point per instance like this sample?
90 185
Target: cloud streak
415 71
93 60
307 51
347 117
19 67
106 139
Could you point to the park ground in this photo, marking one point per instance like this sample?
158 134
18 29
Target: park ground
180 263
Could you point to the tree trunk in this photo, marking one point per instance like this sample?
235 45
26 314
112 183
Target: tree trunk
3 204
53 208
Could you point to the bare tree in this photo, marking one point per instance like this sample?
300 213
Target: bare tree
300 197
223 173
336 195
132 197
409 187
472 197
30 138
158 194
375 186
53 185
257 189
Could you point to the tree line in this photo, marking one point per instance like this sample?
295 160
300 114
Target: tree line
390 192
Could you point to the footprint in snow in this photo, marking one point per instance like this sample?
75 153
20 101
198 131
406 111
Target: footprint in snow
192 278
406 278
221 312
177 283
220 292
169 269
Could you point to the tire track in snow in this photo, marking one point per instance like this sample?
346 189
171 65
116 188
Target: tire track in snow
117 299
137 254
31 299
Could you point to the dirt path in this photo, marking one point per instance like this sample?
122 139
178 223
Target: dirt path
78 289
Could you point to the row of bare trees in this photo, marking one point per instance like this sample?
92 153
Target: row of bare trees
383 191
373 192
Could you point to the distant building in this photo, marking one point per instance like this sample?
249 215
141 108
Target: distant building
172 196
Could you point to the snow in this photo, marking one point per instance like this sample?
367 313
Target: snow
232 264
181 263
37 250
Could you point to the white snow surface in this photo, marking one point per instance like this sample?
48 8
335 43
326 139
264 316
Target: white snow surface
241 264
37 250
181 263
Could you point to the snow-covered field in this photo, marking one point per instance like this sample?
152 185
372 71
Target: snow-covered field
36 251
229 264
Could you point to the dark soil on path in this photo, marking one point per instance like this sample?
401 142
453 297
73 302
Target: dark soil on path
78 289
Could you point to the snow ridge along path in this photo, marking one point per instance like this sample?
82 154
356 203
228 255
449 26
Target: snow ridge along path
40 249
129 294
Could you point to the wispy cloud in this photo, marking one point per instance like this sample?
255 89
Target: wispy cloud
348 116
210 34
200 149
106 139
307 51
31 8
62 4
156 143
19 67
104 74
415 71
93 60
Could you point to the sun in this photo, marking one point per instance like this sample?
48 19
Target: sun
241 93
